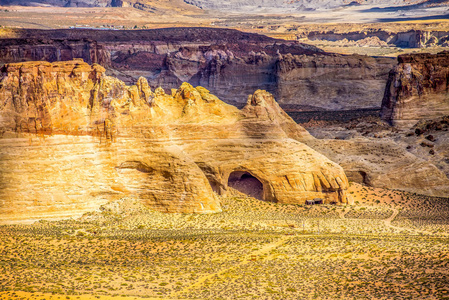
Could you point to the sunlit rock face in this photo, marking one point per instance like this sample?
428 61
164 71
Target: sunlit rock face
417 89
73 139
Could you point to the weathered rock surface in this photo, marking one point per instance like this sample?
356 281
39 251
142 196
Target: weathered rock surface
417 89
73 139
231 64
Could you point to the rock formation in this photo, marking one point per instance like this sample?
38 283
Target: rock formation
417 88
74 138
230 63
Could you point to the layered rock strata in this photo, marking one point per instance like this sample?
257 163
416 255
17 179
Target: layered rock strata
417 89
74 138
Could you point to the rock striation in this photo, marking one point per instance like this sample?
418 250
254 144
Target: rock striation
73 138
417 89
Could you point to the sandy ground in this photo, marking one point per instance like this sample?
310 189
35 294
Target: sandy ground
388 244
42 296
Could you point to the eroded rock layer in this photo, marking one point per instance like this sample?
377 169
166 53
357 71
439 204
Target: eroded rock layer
417 89
73 138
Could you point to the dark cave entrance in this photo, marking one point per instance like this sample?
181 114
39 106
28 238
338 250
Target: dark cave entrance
359 176
246 183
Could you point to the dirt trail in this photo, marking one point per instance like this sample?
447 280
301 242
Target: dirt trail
342 213
394 214
388 220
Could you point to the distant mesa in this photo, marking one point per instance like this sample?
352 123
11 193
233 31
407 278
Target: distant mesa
74 138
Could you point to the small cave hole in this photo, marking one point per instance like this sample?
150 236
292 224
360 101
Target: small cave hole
246 183
359 176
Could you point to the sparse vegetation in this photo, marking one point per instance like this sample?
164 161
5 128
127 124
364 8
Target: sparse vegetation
388 245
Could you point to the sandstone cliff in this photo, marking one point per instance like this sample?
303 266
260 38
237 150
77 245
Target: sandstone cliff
417 88
73 139
230 63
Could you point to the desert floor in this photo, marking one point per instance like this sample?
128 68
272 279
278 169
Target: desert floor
387 245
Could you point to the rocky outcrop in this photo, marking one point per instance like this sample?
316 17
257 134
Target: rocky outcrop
230 63
417 89
73 139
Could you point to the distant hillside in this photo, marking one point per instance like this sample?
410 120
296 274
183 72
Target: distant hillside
237 6
62 3
304 5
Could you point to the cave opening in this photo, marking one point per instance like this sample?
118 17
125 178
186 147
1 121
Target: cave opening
246 183
364 177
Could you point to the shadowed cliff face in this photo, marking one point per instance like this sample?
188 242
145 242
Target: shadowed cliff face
72 135
334 82
229 63
417 89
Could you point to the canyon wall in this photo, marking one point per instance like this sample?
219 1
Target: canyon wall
333 82
73 138
229 63
417 89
